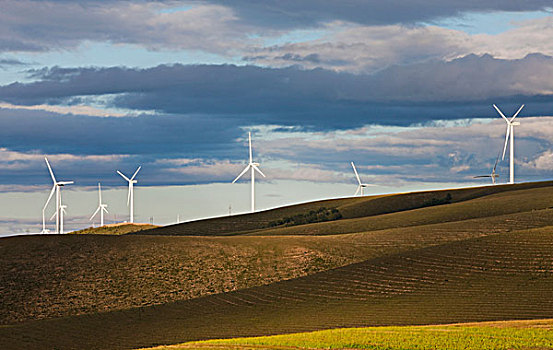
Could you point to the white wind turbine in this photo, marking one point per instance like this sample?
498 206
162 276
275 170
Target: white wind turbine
493 175
254 167
56 188
101 207
361 185
130 197
62 212
510 131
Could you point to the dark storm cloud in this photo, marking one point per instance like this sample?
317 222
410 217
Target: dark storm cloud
320 99
293 13
48 132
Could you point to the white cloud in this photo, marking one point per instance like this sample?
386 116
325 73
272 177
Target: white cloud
76 110
46 25
367 49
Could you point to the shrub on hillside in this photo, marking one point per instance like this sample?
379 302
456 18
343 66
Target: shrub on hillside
320 215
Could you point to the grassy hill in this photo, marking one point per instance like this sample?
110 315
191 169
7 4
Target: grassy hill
114 229
534 334
486 254
370 208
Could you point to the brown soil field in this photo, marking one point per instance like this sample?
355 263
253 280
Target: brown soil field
487 255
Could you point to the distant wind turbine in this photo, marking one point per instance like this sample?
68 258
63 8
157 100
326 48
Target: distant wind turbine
510 131
361 185
61 212
254 167
101 207
493 175
130 196
56 188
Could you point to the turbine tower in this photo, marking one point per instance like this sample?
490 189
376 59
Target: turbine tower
254 167
56 188
130 197
44 229
101 207
62 212
510 131
361 185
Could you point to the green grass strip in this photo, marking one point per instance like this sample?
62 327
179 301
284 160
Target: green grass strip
451 337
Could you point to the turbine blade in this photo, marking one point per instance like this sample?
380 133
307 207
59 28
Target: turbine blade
250 142
516 114
476 177
53 216
124 177
50 169
356 174
500 113
100 193
358 189
104 209
259 171
506 140
50 196
129 194
136 172
495 165
242 173
93 215
66 182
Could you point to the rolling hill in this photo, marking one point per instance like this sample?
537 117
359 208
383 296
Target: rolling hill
114 229
494 200
531 334
483 254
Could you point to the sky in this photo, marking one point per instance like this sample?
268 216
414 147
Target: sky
402 88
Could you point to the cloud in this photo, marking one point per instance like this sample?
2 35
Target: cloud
290 13
543 161
9 62
75 110
367 49
38 26
320 99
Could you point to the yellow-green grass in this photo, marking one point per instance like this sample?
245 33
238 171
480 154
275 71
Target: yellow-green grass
533 334
494 277
369 213
114 229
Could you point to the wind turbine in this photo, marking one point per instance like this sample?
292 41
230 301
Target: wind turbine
61 215
510 131
361 185
101 207
130 197
254 167
493 175
56 188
